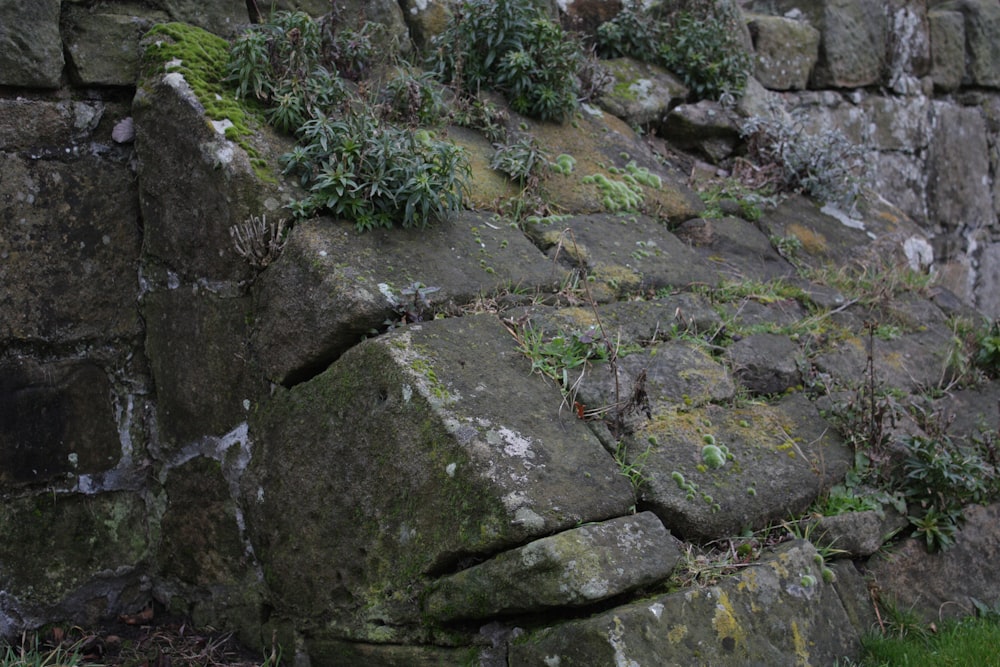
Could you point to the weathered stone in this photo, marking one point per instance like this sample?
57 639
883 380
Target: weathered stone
202 548
223 17
443 416
765 363
986 292
779 459
574 568
359 654
899 123
706 127
84 559
642 94
69 250
425 19
56 421
640 255
43 128
903 179
31 52
948 49
909 56
735 248
196 342
785 51
982 40
854 39
854 595
194 193
779 612
944 584
89 35
958 189
333 286
854 534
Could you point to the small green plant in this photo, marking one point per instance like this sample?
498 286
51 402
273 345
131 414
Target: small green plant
355 164
522 160
559 355
910 641
414 99
32 654
987 355
510 46
697 41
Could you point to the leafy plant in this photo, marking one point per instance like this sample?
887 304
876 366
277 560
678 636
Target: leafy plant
522 160
987 356
354 163
825 165
414 99
698 41
510 46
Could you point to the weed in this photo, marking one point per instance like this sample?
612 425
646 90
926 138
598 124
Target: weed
522 160
258 241
826 166
510 46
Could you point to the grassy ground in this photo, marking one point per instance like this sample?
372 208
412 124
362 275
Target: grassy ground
972 642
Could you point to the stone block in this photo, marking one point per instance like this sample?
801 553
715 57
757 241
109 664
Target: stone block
958 187
103 48
31 53
574 568
947 49
982 40
56 422
785 51
69 250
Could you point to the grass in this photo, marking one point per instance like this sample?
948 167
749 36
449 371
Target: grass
970 641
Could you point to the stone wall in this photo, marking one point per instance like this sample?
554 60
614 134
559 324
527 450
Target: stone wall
127 373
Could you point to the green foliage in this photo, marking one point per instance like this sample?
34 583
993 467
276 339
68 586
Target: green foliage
355 163
824 165
699 43
375 173
969 641
414 99
987 356
34 655
510 46
556 356
521 160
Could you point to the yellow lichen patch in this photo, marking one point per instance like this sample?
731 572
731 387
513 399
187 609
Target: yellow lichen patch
799 646
618 278
491 187
566 245
812 241
724 620
677 634
748 582
580 317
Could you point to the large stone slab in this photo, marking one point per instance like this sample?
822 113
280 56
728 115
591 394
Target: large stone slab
68 251
103 47
31 52
642 94
621 254
944 584
779 458
947 49
982 40
779 612
84 562
574 568
413 452
333 286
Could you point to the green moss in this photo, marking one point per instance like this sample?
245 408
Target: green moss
202 59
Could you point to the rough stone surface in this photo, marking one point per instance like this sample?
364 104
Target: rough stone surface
30 48
948 51
958 191
414 411
780 457
982 40
222 17
785 51
56 420
944 584
69 248
735 249
854 534
574 568
909 56
88 36
706 127
93 548
778 612
333 286
642 94
765 363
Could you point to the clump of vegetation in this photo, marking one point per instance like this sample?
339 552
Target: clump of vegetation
697 40
355 162
785 156
510 46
